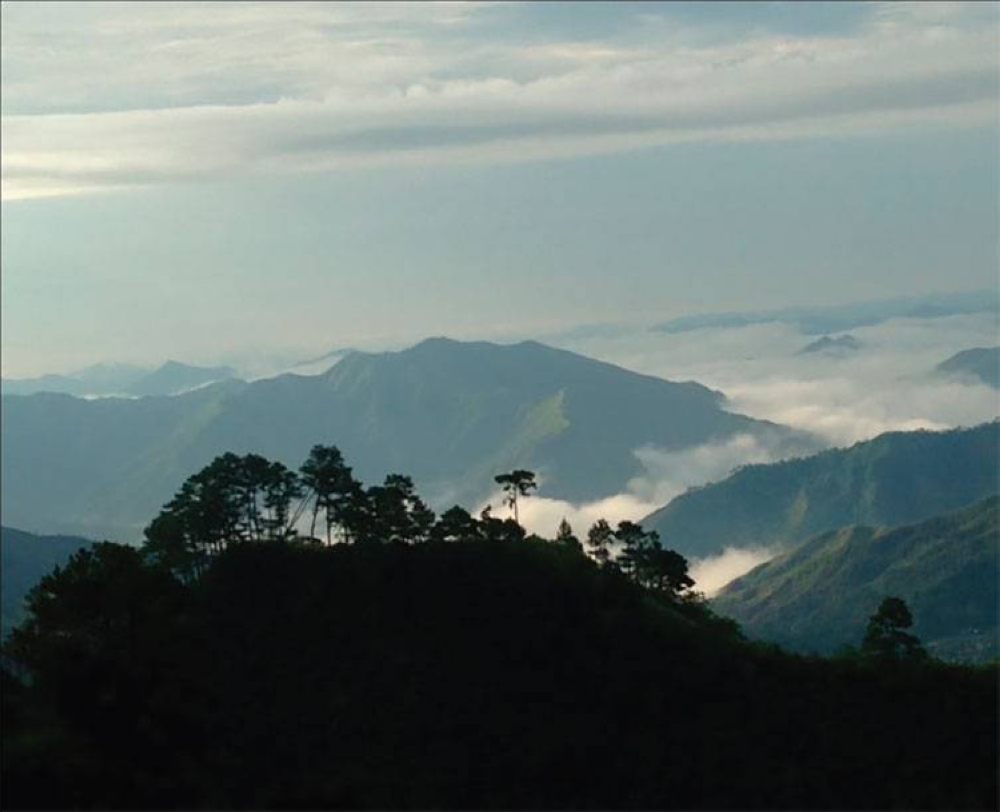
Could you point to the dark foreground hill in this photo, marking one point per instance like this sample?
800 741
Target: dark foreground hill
460 675
896 478
24 559
450 414
819 596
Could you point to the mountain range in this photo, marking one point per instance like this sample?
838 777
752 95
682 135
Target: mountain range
450 414
819 596
104 380
837 318
895 478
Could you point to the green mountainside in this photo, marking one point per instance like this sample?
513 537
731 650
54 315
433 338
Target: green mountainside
24 559
819 596
453 414
457 675
896 478
979 363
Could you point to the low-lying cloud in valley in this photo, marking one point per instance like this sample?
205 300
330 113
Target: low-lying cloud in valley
888 384
665 475
712 573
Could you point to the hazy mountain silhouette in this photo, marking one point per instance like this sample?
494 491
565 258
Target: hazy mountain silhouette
896 478
836 318
828 345
819 596
979 363
121 379
98 379
174 377
452 414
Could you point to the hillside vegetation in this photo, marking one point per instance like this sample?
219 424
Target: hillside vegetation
896 478
819 596
24 559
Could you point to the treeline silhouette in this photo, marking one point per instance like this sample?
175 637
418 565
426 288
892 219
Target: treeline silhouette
238 499
400 660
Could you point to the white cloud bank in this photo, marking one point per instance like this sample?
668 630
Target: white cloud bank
713 573
665 475
112 97
887 385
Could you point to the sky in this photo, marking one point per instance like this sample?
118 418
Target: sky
219 182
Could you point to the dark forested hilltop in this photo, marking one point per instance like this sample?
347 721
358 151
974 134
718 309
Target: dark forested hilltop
896 478
467 675
449 413
388 658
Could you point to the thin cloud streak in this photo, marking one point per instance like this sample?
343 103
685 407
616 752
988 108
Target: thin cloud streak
335 88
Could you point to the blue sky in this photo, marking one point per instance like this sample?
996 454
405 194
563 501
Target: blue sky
210 182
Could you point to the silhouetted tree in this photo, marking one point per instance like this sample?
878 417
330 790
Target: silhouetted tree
565 536
636 543
665 571
455 524
396 513
92 626
281 488
500 530
886 637
599 539
516 483
207 514
332 486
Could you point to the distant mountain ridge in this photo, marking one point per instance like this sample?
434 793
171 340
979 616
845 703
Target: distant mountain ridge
818 597
978 363
839 345
896 478
104 380
451 414
837 318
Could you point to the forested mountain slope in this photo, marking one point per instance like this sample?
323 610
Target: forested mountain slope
896 478
819 596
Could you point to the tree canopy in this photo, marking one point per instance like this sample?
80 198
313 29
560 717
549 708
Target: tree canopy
886 637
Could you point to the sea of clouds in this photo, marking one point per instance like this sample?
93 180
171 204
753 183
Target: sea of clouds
844 397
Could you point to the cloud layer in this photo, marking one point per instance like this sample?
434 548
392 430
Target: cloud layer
108 97
886 385
665 475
